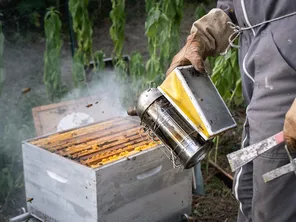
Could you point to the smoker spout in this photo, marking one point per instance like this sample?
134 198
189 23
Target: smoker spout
132 111
22 217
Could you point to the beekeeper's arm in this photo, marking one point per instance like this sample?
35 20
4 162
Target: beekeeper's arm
209 37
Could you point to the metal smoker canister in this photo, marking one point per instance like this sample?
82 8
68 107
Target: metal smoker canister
171 128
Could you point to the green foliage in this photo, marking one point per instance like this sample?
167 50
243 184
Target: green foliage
31 11
149 5
121 66
226 77
30 6
137 68
83 30
174 12
1 57
137 72
162 29
157 32
200 11
99 60
98 65
117 16
78 71
52 64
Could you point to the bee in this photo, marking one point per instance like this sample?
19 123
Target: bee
89 105
26 90
29 200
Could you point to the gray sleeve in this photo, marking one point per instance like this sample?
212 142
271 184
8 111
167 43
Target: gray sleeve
227 7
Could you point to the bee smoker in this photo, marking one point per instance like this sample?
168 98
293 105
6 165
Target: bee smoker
185 112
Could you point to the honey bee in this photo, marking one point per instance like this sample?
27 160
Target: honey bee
26 90
29 200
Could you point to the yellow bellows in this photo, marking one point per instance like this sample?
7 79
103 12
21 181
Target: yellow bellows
178 93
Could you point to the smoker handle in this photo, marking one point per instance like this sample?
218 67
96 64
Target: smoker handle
20 218
56 177
149 173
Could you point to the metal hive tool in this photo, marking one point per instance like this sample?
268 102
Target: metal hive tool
100 143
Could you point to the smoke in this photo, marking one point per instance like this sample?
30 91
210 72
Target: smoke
102 99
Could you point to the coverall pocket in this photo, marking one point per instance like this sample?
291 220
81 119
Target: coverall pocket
285 42
274 91
283 53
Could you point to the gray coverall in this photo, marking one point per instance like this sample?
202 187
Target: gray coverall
267 58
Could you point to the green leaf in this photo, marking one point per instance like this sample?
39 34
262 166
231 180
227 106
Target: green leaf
200 11
52 69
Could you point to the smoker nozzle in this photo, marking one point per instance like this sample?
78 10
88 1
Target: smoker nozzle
132 111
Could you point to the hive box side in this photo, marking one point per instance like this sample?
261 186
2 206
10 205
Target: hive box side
143 188
62 190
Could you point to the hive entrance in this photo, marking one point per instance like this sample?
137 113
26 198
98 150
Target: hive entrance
98 144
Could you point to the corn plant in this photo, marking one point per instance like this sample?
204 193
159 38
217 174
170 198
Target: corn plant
117 16
1 57
83 30
52 68
174 12
155 26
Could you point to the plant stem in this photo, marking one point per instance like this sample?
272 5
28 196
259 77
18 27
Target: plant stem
208 161
216 149
234 91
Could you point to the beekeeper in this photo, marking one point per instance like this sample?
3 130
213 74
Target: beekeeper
267 58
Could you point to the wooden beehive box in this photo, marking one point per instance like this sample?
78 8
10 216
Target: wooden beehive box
48 117
103 172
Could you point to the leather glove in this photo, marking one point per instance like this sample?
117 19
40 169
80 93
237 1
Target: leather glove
290 127
193 53
209 37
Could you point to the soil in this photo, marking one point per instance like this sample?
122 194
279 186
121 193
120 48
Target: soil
23 63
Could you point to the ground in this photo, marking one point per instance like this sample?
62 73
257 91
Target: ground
23 63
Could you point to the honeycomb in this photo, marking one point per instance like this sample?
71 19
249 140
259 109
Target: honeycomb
99 143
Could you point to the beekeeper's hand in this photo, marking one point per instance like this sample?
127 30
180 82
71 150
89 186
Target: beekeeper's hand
290 127
193 53
209 37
